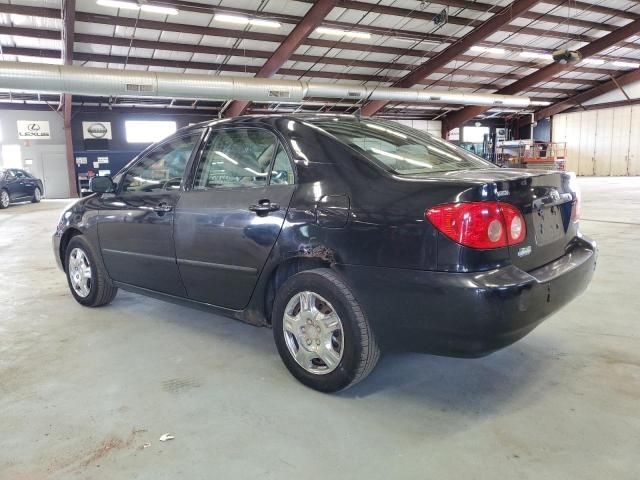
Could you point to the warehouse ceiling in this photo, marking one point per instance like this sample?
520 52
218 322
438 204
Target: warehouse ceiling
377 43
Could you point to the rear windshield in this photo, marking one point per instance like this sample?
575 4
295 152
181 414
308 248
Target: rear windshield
399 149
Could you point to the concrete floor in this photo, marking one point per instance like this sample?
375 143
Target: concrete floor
82 391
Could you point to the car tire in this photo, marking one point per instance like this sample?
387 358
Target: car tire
86 277
37 195
5 199
350 347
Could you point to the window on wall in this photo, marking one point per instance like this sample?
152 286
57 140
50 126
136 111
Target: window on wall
148 131
474 134
11 156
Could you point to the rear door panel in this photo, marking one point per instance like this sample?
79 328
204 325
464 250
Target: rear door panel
221 245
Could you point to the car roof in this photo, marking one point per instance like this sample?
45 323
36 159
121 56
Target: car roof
267 118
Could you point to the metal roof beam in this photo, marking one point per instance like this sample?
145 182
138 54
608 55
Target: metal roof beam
314 17
590 94
545 74
501 18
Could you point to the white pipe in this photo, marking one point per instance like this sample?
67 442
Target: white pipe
101 81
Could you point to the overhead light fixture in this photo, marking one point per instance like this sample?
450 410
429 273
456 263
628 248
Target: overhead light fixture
119 4
343 33
158 9
495 51
134 6
541 56
223 17
539 103
240 20
593 61
626 64
259 22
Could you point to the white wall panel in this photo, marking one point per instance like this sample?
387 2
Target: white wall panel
572 137
634 145
587 136
601 142
604 136
621 140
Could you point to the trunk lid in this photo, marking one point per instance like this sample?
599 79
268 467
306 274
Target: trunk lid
545 199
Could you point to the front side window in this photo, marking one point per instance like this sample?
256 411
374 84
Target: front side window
163 167
19 174
401 150
242 158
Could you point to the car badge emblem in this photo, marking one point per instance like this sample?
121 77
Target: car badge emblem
524 251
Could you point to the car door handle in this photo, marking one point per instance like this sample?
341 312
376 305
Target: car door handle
162 208
264 206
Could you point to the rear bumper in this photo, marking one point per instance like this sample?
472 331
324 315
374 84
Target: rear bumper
467 314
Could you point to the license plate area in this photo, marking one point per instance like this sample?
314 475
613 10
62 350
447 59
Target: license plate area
548 225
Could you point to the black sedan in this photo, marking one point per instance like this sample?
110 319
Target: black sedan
19 186
347 236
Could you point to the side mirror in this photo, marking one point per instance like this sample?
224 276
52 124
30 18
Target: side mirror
102 185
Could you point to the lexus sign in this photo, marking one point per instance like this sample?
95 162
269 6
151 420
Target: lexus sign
33 130
96 130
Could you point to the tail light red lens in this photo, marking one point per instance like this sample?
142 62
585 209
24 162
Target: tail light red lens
481 225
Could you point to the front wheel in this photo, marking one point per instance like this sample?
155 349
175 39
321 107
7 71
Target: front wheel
87 280
5 200
37 196
321 332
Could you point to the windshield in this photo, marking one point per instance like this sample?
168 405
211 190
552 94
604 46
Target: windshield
399 149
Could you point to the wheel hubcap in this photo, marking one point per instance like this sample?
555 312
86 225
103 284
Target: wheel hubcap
4 198
80 272
313 333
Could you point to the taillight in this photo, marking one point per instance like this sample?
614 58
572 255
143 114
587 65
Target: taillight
480 225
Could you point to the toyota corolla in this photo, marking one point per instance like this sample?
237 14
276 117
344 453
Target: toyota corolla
347 236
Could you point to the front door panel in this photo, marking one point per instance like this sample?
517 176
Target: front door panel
135 227
136 240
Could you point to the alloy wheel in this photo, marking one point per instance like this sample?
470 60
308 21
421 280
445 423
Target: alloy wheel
37 195
313 333
4 198
79 272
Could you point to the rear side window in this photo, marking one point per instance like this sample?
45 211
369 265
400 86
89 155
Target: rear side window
401 150
242 158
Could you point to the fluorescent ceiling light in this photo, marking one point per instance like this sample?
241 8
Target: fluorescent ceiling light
240 20
593 61
496 51
222 17
159 9
118 4
626 64
341 33
259 22
540 103
542 56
